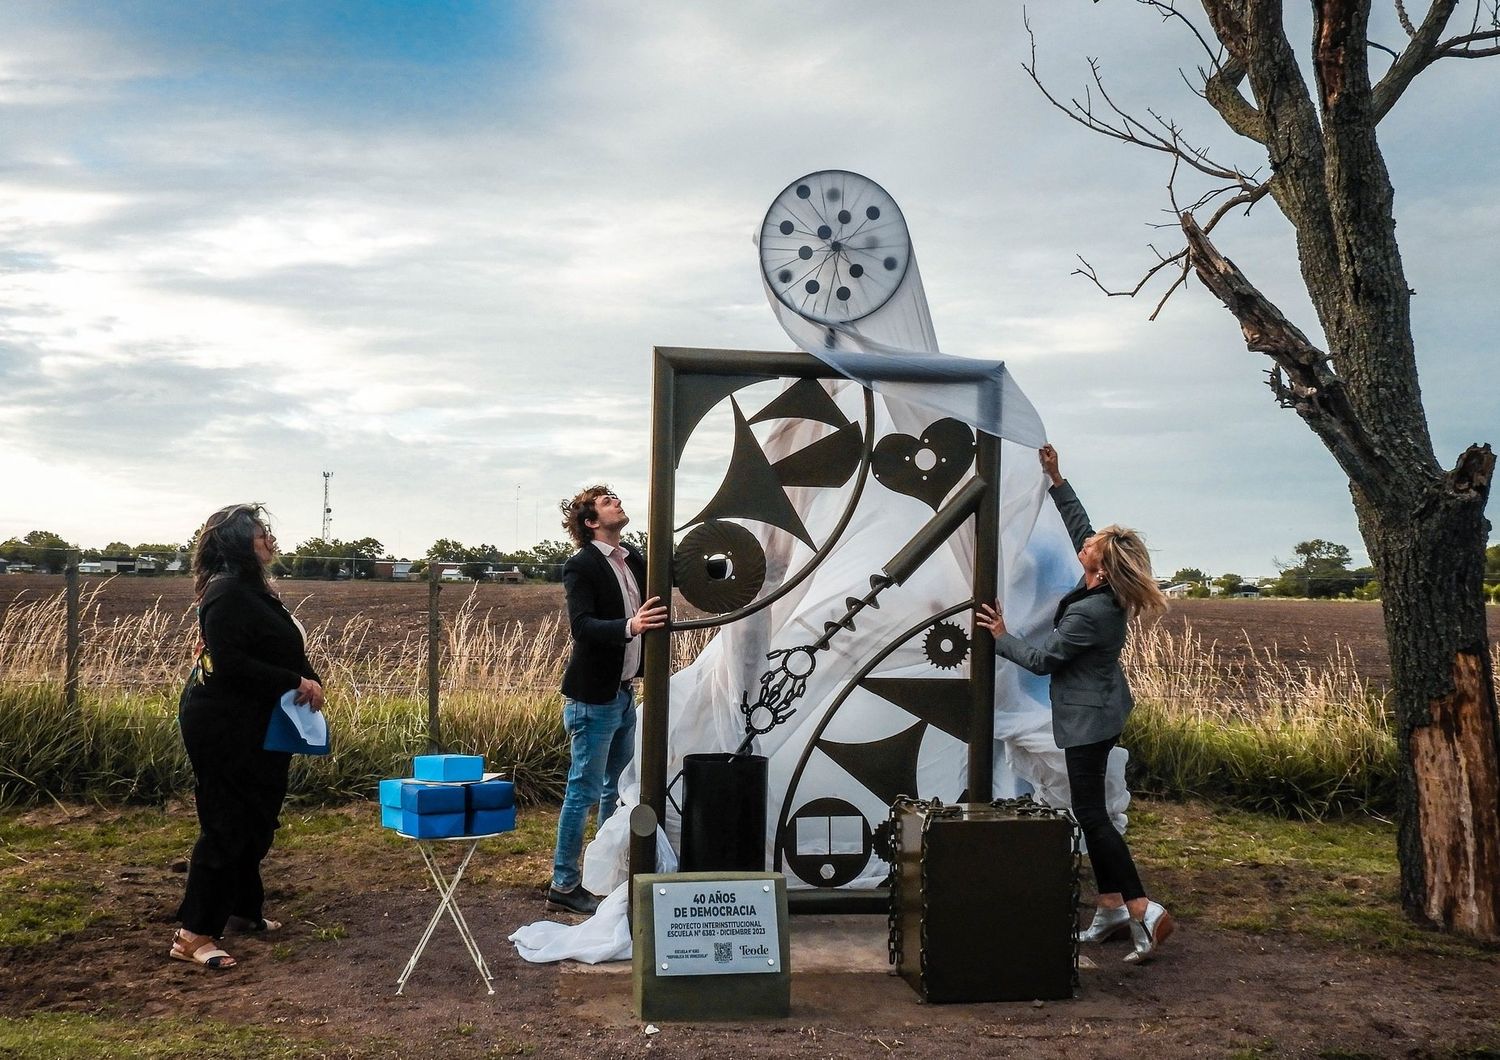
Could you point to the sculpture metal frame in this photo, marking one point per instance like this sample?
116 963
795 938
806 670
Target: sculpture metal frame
980 499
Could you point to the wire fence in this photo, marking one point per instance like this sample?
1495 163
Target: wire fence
94 638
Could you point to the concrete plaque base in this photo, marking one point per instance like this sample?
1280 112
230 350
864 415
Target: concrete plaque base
740 914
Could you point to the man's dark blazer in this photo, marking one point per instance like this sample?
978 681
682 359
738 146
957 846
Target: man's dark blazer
597 617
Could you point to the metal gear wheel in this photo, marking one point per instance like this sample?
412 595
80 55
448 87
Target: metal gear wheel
946 645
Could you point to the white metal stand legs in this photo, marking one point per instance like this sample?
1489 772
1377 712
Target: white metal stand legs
447 889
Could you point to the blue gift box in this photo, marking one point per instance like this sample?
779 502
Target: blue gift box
485 822
431 825
417 797
390 791
491 794
448 768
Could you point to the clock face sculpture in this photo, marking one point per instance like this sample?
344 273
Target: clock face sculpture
834 246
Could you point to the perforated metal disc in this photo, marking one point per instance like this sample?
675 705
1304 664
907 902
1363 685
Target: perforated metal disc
719 566
834 246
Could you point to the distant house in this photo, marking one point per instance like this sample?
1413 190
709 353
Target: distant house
114 565
90 566
394 570
1246 591
452 572
1179 591
509 575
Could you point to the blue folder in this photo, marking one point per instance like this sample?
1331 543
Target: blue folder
282 734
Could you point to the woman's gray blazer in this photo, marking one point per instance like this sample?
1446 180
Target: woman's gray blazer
1090 697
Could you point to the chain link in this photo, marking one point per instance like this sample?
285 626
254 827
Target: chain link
933 810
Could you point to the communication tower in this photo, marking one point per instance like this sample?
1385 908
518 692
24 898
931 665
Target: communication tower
327 511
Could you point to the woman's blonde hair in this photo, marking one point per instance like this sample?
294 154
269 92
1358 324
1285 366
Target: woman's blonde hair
1127 569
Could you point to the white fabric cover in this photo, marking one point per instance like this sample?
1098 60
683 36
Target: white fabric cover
1037 565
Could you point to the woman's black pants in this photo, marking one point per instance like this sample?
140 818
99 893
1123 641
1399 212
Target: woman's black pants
1114 869
239 788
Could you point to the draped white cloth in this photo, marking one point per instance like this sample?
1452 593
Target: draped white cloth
894 352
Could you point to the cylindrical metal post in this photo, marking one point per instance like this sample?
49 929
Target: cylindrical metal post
434 658
982 660
70 678
657 643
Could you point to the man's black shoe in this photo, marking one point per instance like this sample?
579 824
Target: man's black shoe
575 901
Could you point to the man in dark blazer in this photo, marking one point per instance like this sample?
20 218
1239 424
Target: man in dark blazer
605 586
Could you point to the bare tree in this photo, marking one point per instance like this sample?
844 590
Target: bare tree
1423 524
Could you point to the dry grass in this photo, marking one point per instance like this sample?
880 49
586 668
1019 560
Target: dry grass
1244 727
497 692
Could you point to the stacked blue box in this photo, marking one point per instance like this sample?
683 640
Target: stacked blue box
448 768
488 822
390 802
466 801
431 811
491 806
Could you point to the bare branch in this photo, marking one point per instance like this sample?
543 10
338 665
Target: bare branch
1126 128
1222 90
1416 57
1247 199
1168 9
1303 378
1088 271
1458 47
1411 31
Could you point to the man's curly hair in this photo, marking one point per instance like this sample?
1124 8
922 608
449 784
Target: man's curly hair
577 512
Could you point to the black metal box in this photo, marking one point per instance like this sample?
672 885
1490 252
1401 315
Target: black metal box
983 902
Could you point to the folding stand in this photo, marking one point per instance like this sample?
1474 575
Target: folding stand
447 901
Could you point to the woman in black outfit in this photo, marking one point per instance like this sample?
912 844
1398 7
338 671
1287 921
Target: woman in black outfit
1090 700
253 654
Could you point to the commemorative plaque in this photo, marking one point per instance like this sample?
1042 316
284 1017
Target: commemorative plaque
711 945
716 928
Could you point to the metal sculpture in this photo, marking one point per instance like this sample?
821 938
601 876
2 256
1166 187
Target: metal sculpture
834 249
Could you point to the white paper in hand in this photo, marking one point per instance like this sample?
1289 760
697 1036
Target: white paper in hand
311 725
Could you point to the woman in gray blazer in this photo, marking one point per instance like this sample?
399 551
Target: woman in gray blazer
1090 699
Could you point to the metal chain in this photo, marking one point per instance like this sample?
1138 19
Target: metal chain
935 810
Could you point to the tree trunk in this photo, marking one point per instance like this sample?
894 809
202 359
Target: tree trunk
1425 531
1431 565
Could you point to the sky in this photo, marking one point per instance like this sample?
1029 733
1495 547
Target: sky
428 247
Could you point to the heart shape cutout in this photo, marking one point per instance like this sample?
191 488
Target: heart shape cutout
928 467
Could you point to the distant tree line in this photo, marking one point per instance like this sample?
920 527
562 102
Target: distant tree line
1321 570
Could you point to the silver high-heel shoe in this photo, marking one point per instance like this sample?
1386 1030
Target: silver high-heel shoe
1107 923
1149 932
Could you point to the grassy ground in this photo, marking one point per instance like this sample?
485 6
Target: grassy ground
66 872
1331 880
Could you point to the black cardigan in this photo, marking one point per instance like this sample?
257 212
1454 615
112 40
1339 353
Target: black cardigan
255 651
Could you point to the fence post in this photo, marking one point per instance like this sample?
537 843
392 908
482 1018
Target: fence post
434 650
70 678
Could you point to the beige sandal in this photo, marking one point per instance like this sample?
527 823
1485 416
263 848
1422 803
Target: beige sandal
207 954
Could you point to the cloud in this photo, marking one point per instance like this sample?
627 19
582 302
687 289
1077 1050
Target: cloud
244 246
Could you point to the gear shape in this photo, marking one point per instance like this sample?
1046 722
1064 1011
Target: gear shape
946 645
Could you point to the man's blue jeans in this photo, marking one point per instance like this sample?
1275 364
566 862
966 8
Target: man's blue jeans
603 739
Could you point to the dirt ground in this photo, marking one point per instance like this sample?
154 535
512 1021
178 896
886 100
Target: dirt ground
1214 991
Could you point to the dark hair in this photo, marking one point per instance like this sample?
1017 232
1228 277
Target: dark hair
578 511
226 545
